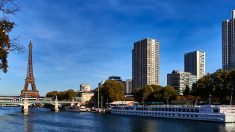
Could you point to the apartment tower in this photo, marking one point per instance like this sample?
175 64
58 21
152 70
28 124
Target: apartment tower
180 80
194 62
145 63
228 43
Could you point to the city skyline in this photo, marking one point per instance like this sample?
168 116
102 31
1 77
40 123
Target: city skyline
72 45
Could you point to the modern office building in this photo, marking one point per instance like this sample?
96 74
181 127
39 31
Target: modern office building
116 78
128 87
85 87
101 83
145 63
179 80
228 43
194 62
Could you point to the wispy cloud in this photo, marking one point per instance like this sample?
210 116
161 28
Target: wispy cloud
88 40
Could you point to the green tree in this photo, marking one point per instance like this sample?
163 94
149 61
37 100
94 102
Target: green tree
52 94
62 95
110 91
138 94
232 82
221 84
215 87
148 93
7 8
186 91
168 93
70 94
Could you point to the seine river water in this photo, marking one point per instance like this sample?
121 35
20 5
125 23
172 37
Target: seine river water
43 120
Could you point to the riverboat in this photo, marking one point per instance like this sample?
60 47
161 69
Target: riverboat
214 113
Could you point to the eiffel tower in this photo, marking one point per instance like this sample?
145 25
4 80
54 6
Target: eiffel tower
30 77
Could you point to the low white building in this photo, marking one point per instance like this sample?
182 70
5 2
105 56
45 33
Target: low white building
85 96
85 87
180 80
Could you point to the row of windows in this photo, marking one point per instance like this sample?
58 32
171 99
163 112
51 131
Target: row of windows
215 110
167 114
169 109
157 114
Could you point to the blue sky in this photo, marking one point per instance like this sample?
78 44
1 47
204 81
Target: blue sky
85 41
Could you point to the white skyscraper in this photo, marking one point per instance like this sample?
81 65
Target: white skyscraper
145 63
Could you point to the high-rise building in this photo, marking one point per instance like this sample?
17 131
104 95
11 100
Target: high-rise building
128 87
180 80
194 62
228 43
116 78
145 63
85 87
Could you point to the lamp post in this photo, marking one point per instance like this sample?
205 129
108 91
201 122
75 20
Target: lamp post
98 98
231 96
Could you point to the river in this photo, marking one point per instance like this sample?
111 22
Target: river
43 120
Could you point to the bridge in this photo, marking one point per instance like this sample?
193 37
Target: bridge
26 102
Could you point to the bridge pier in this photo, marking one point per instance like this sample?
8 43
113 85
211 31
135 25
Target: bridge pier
72 103
25 107
56 105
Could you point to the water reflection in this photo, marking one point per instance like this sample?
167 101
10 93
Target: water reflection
27 124
228 127
45 120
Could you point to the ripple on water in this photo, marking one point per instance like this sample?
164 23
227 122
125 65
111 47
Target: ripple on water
11 119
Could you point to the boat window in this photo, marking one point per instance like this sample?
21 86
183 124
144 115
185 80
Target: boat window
216 110
197 110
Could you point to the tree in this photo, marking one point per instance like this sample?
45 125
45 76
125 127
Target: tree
216 87
149 93
138 94
186 91
232 88
52 94
7 8
110 91
168 93
70 94
148 89
62 95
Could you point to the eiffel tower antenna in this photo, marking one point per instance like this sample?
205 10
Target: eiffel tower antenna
30 77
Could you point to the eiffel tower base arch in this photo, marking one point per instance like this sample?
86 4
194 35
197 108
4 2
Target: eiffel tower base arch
29 93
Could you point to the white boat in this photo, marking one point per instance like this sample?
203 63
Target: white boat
82 109
215 113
